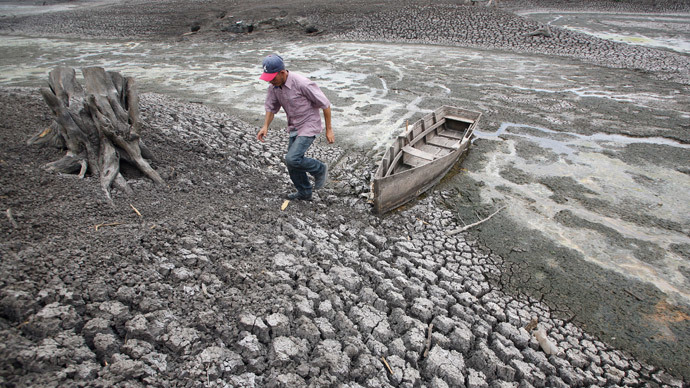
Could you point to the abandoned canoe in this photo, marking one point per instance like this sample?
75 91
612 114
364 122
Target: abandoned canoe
422 155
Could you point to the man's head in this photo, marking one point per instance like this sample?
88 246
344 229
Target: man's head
272 65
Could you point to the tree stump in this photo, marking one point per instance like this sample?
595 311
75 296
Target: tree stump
97 124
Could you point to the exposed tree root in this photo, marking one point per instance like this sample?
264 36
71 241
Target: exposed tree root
98 124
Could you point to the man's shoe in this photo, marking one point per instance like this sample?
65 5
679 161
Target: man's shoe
322 179
298 196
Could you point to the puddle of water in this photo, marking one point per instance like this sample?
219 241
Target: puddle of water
376 88
671 32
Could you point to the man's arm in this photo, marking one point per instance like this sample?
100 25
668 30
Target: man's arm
264 130
329 130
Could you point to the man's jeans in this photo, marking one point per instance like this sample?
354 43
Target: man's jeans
298 166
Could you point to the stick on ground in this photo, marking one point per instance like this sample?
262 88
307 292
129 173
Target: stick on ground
135 210
464 228
108 224
386 364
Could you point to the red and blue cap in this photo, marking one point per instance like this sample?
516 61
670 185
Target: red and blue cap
272 65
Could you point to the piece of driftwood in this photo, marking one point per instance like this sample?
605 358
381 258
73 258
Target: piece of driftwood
464 228
98 124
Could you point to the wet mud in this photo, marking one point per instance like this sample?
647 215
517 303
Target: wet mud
621 310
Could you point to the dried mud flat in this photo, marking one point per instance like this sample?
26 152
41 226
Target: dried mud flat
214 285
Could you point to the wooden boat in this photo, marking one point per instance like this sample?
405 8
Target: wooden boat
422 155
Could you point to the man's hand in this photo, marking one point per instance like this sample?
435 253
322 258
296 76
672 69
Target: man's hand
262 133
264 130
329 129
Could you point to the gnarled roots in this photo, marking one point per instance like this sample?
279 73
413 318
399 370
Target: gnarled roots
98 124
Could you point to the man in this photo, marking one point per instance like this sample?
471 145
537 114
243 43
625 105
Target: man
301 100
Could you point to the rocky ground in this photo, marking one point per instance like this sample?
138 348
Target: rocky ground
213 285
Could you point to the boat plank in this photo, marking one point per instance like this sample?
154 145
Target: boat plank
413 161
444 142
395 163
459 118
432 128
457 135
419 153
434 150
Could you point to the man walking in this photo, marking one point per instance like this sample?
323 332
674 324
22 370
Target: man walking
301 100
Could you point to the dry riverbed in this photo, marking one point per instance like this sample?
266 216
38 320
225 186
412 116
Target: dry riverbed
216 284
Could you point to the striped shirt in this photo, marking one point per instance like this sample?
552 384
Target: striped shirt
301 100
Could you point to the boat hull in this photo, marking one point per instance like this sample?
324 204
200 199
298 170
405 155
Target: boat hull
394 185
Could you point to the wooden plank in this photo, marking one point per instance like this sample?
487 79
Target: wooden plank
453 134
459 133
444 142
428 120
394 163
418 153
436 151
414 163
384 166
460 118
417 129
464 113
450 135
428 130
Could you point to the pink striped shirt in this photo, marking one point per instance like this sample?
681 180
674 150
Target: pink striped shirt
301 100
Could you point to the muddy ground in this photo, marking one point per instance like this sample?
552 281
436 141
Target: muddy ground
208 255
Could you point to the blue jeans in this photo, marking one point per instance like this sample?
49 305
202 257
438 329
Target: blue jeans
298 166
